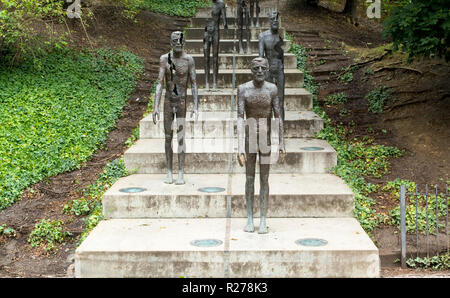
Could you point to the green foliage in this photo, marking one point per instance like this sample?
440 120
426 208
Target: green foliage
357 159
346 77
420 28
378 98
54 117
440 262
185 8
422 212
393 187
90 204
7 231
134 136
336 99
18 39
47 234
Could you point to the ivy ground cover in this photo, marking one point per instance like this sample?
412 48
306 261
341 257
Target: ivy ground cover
55 114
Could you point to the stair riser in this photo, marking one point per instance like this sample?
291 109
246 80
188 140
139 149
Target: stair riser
227 47
215 206
224 80
222 103
217 163
230 33
242 62
201 22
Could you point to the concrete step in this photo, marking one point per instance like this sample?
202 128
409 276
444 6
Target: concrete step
242 61
164 248
205 12
295 99
211 156
301 124
227 46
230 33
201 21
293 78
291 195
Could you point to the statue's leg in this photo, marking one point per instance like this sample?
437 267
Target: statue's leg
252 12
247 31
216 40
168 133
281 86
250 166
240 30
181 134
264 168
206 54
258 9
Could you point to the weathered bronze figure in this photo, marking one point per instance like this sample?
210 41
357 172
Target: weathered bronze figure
254 9
257 99
270 47
212 37
177 68
243 19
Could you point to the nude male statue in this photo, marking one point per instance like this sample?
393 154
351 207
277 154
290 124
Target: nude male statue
212 37
243 20
178 69
254 9
257 99
270 47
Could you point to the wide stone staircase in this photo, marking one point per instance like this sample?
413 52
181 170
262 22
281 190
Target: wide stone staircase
152 229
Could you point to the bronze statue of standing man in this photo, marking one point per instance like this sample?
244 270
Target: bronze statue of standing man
258 100
212 37
178 69
270 47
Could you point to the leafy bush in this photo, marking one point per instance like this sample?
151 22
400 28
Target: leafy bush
346 77
440 262
185 8
336 99
7 231
54 117
48 234
420 28
377 98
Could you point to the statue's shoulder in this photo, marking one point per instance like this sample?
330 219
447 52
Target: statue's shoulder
188 57
271 87
245 86
164 57
264 33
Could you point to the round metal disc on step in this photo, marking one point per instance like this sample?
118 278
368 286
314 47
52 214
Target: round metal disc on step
312 148
206 242
132 189
311 242
211 189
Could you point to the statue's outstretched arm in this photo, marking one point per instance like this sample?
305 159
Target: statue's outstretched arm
159 87
193 78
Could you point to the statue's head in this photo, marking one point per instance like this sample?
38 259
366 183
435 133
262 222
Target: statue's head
259 67
273 19
177 41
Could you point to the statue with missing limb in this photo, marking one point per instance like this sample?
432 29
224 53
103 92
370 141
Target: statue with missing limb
177 68
254 9
258 100
270 47
212 37
243 20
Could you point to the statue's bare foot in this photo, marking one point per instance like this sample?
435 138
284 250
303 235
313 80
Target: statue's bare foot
250 228
180 180
263 228
214 87
257 24
207 86
249 51
169 179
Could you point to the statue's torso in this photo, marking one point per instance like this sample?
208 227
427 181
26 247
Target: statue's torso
180 73
270 41
258 101
216 12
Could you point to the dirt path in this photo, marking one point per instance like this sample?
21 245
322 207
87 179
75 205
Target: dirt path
108 29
